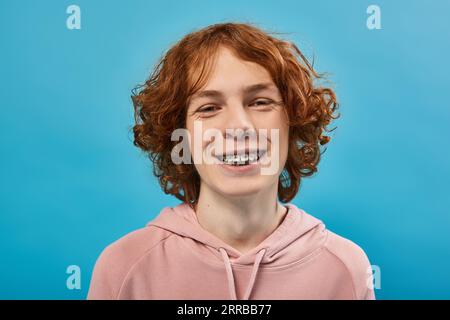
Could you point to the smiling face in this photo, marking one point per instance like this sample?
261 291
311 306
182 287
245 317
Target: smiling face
239 95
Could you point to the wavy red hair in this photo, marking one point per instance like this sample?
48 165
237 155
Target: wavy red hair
160 104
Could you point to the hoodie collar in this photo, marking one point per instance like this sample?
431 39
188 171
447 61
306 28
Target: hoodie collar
182 220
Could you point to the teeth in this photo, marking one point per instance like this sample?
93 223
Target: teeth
240 158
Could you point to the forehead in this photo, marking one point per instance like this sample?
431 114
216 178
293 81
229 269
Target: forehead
231 69
227 71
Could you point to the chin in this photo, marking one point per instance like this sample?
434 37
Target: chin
244 188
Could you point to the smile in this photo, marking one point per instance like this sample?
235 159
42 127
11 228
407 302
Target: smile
241 159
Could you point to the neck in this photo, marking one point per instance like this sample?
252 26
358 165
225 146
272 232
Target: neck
241 222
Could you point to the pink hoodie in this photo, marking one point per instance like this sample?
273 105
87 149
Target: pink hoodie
173 257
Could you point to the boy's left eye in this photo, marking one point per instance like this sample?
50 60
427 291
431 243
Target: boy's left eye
261 102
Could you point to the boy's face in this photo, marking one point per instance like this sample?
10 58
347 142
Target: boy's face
227 107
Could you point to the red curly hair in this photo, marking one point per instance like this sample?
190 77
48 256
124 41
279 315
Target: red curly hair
160 104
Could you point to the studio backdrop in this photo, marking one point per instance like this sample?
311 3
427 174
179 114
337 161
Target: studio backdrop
71 181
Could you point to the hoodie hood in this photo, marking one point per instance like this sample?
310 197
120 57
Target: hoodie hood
298 235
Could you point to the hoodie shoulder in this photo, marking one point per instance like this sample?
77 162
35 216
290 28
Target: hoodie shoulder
355 261
118 258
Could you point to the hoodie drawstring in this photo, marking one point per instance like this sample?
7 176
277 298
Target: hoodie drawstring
230 277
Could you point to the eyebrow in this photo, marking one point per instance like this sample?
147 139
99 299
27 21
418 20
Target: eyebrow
247 90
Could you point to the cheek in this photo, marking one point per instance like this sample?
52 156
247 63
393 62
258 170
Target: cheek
276 121
282 124
284 138
197 144
191 144
284 134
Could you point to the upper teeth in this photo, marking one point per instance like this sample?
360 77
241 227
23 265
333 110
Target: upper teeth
240 158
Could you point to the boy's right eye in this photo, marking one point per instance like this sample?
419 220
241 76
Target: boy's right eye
207 109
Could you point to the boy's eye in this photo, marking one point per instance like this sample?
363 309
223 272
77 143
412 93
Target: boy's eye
257 103
261 102
207 109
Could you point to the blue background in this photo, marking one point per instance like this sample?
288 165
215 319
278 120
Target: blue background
72 181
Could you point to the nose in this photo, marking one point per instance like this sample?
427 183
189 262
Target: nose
238 123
